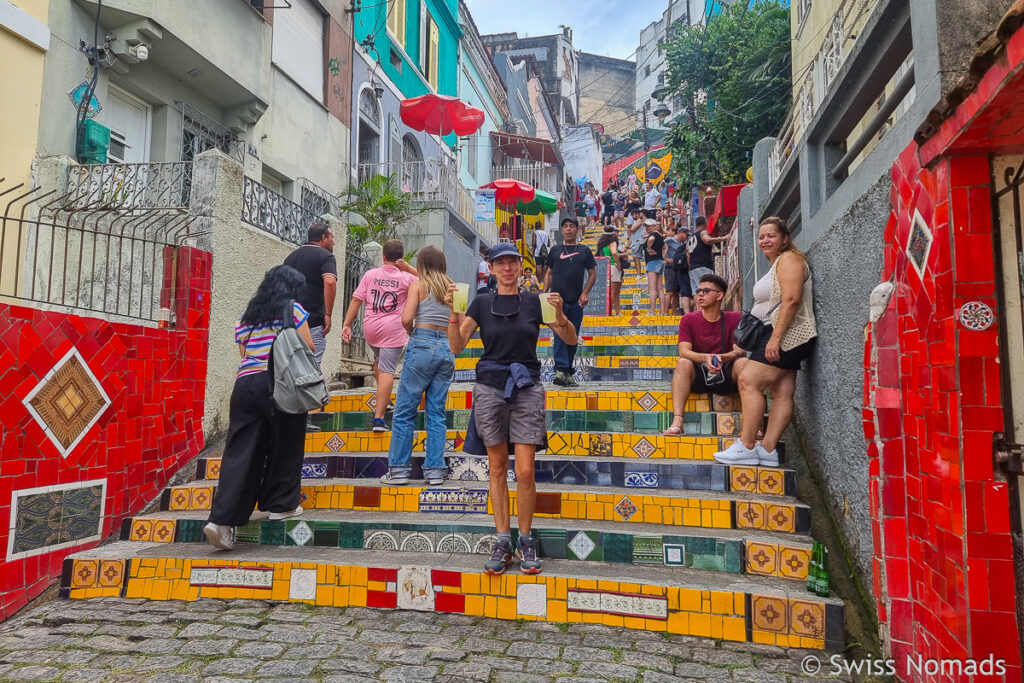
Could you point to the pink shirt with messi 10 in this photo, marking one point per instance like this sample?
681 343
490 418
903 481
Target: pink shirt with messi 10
384 291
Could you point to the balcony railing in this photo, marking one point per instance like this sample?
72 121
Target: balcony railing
540 176
267 210
129 186
783 149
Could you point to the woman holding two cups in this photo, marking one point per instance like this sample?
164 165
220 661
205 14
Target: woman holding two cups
508 397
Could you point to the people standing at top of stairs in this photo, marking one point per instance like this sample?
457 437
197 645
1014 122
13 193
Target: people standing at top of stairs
567 264
508 397
652 198
428 369
637 233
608 246
608 206
709 361
384 291
315 260
262 461
654 264
702 259
784 301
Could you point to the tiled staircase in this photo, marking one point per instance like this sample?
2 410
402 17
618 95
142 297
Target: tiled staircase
636 529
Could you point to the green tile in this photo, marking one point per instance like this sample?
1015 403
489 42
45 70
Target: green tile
645 422
190 530
248 533
617 547
596 552
351 535
707 423
551 543
733 556
326 534
460 419
272 533
713 562
647 550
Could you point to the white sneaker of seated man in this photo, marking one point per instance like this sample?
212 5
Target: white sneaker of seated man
738 454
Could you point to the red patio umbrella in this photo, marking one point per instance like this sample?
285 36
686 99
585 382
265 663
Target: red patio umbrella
441 115
510 192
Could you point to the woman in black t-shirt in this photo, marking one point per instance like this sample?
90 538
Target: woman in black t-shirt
509 323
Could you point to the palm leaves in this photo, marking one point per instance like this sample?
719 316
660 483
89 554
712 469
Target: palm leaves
382 208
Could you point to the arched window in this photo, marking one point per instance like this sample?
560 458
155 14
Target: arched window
369 135
412 165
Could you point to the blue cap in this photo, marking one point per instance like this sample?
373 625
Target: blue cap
503 249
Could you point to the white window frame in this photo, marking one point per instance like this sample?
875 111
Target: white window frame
124 94
297 66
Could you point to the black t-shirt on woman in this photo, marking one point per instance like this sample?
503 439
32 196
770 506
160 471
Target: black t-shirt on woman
656 246
508 339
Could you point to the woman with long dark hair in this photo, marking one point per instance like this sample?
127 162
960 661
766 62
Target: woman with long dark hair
262 461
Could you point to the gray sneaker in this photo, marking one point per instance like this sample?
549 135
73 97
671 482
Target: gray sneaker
501 558
766 458
527 553
395 477
560 379
220 535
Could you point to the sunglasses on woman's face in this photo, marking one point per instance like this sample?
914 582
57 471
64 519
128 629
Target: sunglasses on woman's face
707 290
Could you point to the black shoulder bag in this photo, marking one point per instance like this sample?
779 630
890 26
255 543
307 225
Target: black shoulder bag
750 330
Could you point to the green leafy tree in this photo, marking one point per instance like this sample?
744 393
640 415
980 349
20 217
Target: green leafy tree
734 76
383 208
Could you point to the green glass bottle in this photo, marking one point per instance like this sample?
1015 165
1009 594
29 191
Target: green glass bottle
812 569
821 588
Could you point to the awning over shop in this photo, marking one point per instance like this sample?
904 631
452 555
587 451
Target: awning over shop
725 206
525 147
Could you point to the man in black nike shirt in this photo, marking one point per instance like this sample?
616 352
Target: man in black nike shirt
567 262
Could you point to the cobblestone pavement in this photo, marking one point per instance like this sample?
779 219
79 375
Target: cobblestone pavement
112 639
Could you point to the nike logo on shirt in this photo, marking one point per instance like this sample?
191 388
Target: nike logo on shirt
567 254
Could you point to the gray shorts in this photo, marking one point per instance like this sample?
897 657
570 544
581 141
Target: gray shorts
497 422
387 358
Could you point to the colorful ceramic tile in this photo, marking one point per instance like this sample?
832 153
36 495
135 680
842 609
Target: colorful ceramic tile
163 530
585 545
336 443
648 550
142 530
725 424
622 604
770 482
111 574
299 533
202 498
47 518
807 619
625 508
212 468
674 554
314 470
762 558
768 613
453 501
641 480
302 584
743 479
647 401
794 562
552 543
532 599
380 540
780 518
84 573
749 515
67 402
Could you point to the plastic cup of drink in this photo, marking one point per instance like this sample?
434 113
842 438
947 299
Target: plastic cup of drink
460 298
547 310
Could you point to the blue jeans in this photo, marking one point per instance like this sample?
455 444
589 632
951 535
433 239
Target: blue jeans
564 353
429 367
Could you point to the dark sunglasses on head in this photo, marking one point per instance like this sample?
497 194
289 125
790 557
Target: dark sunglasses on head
707 290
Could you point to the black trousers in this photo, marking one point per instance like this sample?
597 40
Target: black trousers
262 460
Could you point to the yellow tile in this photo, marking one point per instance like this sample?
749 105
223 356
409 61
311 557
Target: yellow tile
652 590
655 625
556 610
470 583
678 622
376 585
340 596
614 620
721 519
561 592
700 624
357 576
586 584
716 626
592 618
595 511
629 587
507 608
633 622
813 643
689 599
475 605
357 596
608 585
734 628
490 606
721 602
691 517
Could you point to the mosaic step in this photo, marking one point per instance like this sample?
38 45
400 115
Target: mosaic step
644 397
694 424
723 550
585 373
705 509
630 326
601 444
572 471
590 350
668 599
590 340
586 361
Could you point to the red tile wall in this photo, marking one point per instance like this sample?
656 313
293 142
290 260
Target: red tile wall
155 380
943 562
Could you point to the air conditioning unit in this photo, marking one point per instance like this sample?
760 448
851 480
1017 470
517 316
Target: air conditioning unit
93 144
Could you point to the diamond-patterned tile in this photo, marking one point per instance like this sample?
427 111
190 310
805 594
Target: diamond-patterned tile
111 574
807 618
781 518
762 559
644 448
584 545
794 562
771 482
750 515
625 508
335 443
769 613
300 533
647 402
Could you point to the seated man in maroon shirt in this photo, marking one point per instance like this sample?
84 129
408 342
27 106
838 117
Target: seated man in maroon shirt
708 362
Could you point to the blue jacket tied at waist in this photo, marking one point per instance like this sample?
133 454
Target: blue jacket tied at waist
517 377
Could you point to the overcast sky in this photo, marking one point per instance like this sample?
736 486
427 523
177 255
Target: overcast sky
602 27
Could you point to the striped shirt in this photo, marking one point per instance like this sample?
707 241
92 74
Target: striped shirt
258 341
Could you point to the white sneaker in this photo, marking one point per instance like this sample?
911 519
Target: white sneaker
737 454
258 516
766 458
285 515
220 536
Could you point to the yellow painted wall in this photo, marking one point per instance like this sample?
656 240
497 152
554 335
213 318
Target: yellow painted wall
19 116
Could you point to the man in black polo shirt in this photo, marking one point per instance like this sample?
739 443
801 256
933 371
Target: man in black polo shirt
315 260
567 263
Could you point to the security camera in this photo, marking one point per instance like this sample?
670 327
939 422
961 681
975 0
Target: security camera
140 51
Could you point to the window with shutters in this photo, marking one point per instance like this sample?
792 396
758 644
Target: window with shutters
433 55
396 20
299 45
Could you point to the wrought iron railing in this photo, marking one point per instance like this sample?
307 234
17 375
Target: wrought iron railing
130 186
429 180
100 257
200 133
317 199
783 148
270 211
541 176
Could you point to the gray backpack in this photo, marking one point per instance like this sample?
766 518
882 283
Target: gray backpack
298 385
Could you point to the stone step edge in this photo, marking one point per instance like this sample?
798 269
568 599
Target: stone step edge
696 509
788 559
763 481
337 579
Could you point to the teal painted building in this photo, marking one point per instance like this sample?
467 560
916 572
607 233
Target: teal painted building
415 42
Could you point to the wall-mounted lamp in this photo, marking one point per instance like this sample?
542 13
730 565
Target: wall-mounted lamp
140 51
378 90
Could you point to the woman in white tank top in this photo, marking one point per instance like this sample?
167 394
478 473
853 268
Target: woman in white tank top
783 300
